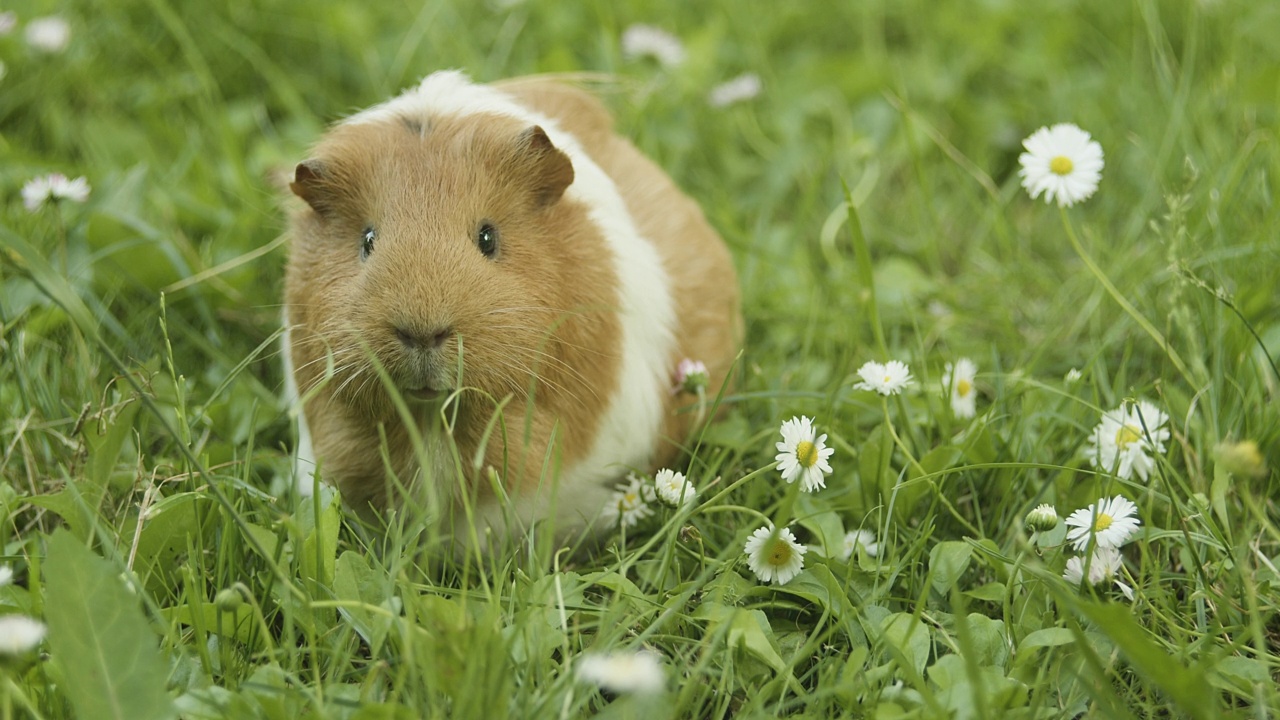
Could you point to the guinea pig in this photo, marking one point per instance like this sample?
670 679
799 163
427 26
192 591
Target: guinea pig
487 295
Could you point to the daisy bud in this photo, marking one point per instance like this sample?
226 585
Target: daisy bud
228 600
1042 519
691 376
1241 459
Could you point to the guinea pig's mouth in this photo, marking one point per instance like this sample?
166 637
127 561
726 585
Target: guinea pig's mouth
426 393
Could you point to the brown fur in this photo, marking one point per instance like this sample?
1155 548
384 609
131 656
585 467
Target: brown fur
536 324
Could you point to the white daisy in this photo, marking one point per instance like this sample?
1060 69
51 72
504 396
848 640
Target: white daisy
623 672
855 539
648 41
887 379
1062 162
1043 518
1073 376
55 186
673 488
801 455
1127 437
8 21
1103 566
958 381
19 634
691 376
774 559
740 89
629 504
48 34
6 575
1109 522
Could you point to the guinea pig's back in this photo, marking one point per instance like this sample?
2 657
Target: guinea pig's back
702 277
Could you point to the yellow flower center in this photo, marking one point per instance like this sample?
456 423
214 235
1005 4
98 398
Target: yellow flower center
1102 523
963 387
1060 165
779 553
806 453
1126 435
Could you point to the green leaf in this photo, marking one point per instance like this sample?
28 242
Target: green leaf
105 437
1186 686
359 587
1046 637
65 505
99 637
947 562
909 636
320 547
991 592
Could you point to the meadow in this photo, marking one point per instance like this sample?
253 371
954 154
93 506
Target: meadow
869 190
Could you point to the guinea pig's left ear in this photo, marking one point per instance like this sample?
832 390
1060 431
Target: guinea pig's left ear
549 170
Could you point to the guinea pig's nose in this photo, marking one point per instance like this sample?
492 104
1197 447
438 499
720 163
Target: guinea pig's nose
417 339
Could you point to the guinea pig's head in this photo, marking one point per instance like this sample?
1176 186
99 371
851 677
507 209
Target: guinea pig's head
439 248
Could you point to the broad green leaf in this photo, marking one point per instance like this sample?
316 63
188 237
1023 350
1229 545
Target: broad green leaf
105 437
320 545
99 637
358 586
238 625
65 505
1047 637
817 585
947 562
909 637
1186 686
991 592
170 525
985 641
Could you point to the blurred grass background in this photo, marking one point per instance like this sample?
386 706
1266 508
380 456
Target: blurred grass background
184 117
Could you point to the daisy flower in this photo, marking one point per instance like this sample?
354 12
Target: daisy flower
648 41
855 539
55 186
630 503
801 455
6 575
8 21
740 89
774 559
1062 162
19 635
1127 436
1043 518
691 376
1103 566
1073 376
673 489
48 34
887 379
958 380
623 672
1110 522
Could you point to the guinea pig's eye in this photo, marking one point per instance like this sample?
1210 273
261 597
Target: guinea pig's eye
366 242
487 239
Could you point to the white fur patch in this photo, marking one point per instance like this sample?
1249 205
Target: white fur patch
632 421
304 456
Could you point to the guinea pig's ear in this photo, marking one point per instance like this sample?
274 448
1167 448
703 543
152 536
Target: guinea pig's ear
311 183
550 170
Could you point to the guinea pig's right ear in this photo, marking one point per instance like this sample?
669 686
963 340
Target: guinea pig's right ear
311 183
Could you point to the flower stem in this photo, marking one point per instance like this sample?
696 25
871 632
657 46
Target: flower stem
1124 303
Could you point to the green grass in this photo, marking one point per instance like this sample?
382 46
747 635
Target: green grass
145 507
